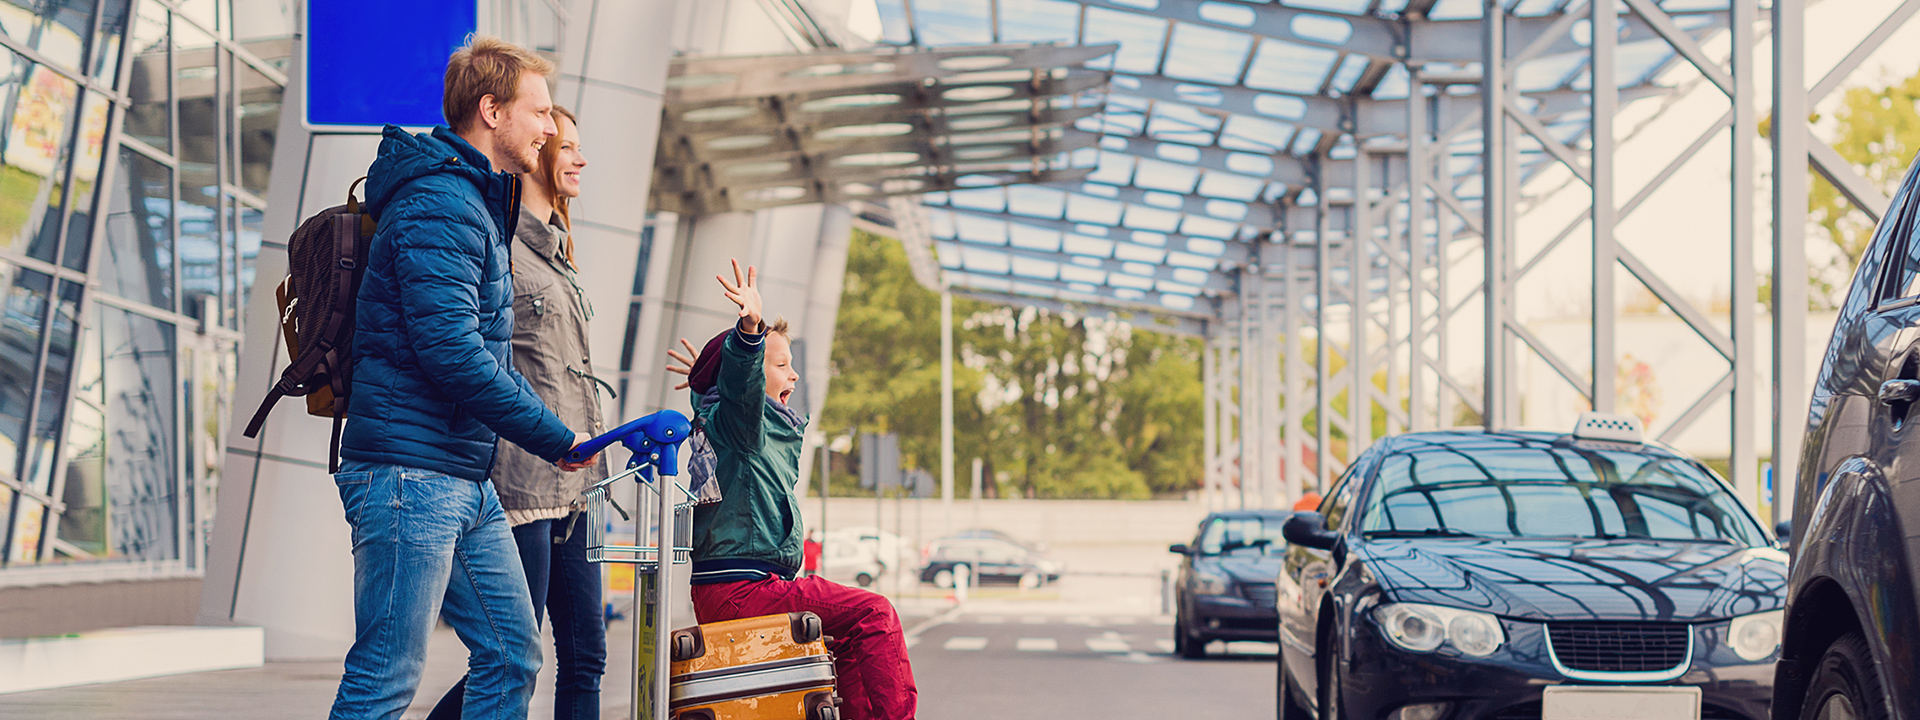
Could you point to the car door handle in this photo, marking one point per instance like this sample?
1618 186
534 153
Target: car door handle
1899 391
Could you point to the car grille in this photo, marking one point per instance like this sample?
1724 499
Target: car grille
1261 594
1619 647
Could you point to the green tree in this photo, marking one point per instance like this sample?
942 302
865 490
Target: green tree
1067 406
1877 130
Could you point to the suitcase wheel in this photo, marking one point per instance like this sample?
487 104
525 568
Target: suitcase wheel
688 644
822 705
806 627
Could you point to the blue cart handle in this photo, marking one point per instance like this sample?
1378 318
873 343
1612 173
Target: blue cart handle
654 439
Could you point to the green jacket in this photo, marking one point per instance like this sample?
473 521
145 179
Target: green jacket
757 454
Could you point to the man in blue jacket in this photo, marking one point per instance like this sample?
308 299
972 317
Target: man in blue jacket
433 385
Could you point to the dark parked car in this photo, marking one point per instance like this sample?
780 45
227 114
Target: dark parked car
1850 635
988 560
1466 575
1225 590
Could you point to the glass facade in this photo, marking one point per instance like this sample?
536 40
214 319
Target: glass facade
135 142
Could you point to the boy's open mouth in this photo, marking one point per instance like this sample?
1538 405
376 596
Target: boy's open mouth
784 394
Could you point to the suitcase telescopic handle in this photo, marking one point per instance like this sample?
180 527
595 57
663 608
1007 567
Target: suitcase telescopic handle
654 439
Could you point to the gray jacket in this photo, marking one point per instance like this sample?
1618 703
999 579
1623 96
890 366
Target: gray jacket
549 349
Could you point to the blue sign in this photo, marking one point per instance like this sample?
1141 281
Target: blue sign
374 62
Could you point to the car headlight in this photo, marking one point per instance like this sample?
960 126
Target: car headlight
1206 583
1755 637
1421 628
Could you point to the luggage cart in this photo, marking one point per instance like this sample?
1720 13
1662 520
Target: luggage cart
665 517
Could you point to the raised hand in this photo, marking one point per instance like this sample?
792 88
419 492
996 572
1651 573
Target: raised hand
745 292
687 360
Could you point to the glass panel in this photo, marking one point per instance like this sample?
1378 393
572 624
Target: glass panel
21 318
230 264
57 29
1140 38
83 521
90 154
32 178
259 119
253 21
253 223
29 518
56 374
952 22
1244 535
137 371
150 88
137 263
197 80
106 43
1038 21
206 13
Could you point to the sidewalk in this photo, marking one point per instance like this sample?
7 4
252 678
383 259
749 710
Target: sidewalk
304 690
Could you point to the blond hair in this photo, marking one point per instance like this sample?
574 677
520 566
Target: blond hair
549 175
486 65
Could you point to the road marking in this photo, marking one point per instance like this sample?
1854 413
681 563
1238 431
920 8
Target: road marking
989 619
912 641
1166 646
1136 657
1107 645
913 633
964 643
1036 645
1033 620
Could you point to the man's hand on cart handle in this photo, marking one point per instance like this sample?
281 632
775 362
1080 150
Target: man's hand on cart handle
578 438
688 359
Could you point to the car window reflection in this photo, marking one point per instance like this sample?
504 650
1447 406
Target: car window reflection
1236 535
1558 490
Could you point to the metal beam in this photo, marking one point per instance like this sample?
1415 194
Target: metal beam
1236 251
1216 282
1149 300
1144 318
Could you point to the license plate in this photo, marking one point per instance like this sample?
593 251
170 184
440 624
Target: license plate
1610 702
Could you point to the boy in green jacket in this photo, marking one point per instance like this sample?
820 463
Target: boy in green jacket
747 546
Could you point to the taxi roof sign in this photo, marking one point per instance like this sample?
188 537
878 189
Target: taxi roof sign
1611 427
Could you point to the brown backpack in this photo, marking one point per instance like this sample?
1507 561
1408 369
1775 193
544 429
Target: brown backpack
325 258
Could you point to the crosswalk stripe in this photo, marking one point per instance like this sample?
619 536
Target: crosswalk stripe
964 643
1166 646
1107 645
1036 645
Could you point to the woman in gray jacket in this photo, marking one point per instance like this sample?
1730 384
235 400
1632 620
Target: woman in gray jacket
550 314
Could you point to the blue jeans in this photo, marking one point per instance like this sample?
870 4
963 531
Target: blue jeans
427 544
554 553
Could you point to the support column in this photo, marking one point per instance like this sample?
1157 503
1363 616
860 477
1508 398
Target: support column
1417 400
1606 101
1746 380
1789 249
1209 423
1295 369
1359 292
1322 291
1249 397
1493 173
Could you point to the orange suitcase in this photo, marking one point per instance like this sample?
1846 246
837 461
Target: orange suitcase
773 667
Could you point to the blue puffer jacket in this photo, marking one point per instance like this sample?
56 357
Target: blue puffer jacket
433 381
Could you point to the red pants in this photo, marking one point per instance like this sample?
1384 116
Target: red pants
869 649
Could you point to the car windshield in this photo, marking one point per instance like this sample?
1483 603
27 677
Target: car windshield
1257 535
1552 490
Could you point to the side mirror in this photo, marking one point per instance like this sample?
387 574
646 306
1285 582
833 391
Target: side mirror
1783 534
1309 529
1177 549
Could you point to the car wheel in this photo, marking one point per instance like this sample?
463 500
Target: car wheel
1330 700
943 579
1289 706
1846 684
863 580
1185 643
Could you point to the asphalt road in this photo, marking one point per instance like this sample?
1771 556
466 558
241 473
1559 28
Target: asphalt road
1055 666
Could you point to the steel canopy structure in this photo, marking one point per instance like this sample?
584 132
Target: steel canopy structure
1314 187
